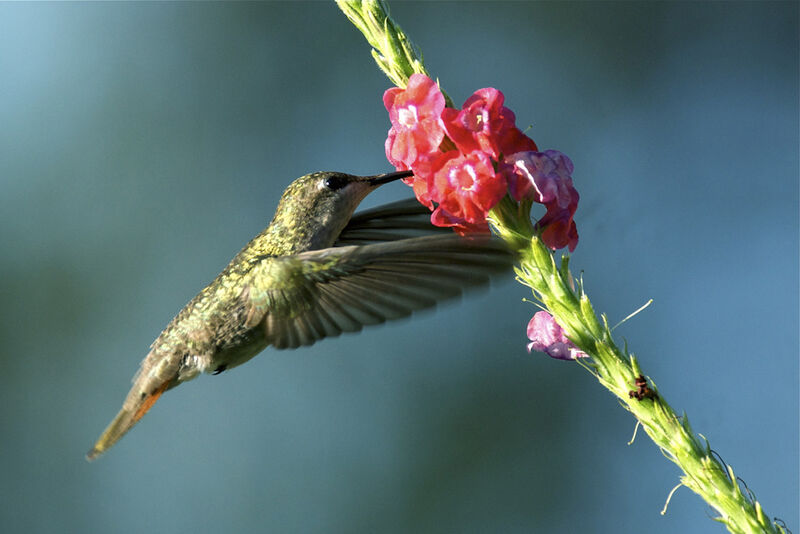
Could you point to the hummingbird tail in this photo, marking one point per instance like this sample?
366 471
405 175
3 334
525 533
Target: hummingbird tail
136 405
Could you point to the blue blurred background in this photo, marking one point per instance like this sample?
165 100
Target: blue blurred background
143 144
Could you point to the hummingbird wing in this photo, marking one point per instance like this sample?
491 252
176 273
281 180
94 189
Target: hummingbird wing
300 299
397 220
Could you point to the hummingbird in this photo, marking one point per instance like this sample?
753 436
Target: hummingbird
316 271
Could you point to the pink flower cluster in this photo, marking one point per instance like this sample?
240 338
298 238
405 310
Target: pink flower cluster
547 336
465 161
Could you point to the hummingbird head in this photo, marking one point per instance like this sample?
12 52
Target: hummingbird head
316 207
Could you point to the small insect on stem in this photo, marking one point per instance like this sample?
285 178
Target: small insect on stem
642 390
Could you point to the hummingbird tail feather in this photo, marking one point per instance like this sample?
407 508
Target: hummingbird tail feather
128 416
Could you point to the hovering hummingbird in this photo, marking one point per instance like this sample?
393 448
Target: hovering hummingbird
316 271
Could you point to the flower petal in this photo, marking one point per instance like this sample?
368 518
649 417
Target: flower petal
415 113
548 337
545 177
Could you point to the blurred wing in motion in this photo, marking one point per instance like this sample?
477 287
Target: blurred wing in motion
403 219
303 298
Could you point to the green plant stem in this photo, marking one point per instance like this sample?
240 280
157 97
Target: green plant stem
617 371
552 285
392 50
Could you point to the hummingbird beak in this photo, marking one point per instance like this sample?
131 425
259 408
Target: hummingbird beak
381 179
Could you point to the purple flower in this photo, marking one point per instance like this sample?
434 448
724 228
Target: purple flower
546 178
546 336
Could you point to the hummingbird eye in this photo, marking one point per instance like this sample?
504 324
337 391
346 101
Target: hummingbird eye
335 182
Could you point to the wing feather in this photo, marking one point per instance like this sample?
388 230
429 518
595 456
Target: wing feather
301 299
403 219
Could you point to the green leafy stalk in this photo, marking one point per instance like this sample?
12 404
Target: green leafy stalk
618 370
391 49
553 286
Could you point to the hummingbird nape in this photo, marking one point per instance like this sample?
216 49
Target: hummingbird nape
316 271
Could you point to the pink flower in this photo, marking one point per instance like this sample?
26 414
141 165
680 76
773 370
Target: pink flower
485 124
464 175
548 337
513 140
415 113
558 227
546 178
442 218
465 186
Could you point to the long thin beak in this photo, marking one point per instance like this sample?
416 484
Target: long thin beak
381 179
